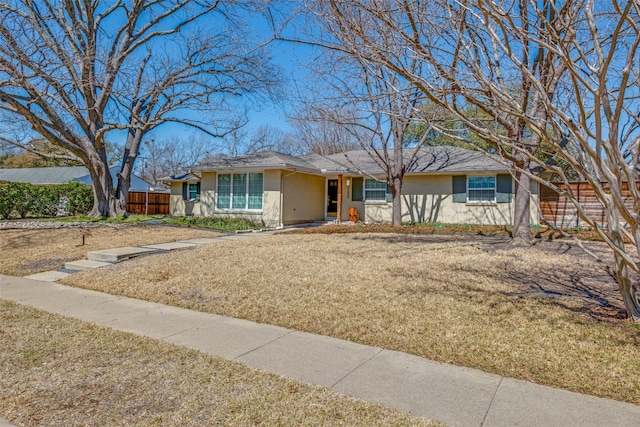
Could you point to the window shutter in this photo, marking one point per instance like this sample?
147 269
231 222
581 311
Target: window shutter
357 189
185 191
503 188
459 189
198 189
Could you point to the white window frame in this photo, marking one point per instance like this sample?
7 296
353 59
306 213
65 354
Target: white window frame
246 196
365 191
196 193
494 189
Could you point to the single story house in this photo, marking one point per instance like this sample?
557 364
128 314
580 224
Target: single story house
63 175
442 183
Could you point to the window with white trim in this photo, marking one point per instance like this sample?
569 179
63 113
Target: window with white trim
481 189
376 191
240 191
194 191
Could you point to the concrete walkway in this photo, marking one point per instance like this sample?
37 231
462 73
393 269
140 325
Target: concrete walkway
454 395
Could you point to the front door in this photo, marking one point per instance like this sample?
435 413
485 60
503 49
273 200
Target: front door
332 198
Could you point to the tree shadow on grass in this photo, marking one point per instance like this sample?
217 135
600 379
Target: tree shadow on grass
432 238
592 286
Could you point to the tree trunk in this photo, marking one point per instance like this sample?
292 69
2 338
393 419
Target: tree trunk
522 205
124 182
396 193
625 285
104 201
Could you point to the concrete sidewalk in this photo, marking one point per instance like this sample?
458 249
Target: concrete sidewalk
454 395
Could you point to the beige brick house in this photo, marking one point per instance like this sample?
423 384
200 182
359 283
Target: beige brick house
442 184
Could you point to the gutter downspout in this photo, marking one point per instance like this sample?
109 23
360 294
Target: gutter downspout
282 198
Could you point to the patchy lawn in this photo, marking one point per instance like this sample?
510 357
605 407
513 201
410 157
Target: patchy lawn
60 371
546 314
26 252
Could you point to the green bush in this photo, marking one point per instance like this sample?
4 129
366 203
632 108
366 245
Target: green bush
79 197
42 201
6 203
226 223
23 196
46 201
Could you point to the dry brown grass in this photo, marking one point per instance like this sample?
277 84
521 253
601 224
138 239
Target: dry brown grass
59 371
544 314
27 252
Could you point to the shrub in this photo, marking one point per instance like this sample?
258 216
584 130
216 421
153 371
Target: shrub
79 197
6 203
23 196
46 201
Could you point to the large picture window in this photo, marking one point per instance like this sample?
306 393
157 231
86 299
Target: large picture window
376 191
481 189
240 191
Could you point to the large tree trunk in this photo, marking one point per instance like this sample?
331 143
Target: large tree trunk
104 200
522 205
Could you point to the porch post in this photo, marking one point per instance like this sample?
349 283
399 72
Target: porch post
339 213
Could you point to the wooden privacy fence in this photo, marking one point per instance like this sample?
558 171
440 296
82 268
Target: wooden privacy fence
157 203
559 211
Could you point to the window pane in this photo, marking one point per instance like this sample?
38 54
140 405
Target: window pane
224 191
255 190
239 199
372 184
477 182
375 190
193 191
375 195
482 189
481 195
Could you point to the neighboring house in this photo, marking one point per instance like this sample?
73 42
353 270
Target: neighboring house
444 184
64 175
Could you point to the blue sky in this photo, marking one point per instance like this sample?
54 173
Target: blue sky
292 60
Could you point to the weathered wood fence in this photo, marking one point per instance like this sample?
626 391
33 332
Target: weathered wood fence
156 204
559 211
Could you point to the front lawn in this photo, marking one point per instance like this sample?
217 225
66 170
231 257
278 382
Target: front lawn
29 251
548 314
63 372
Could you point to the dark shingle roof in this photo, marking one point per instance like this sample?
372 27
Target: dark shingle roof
437 159
261 160
185 177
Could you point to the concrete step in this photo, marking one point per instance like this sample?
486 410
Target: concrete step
48 276
202 241
118 254
85 264
170 246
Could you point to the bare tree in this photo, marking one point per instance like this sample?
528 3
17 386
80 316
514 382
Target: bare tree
77 72
460 70
172 155
322 128
556 76
366 100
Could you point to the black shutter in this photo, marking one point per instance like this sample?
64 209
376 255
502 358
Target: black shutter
504 188
459 189
185 191
356 189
